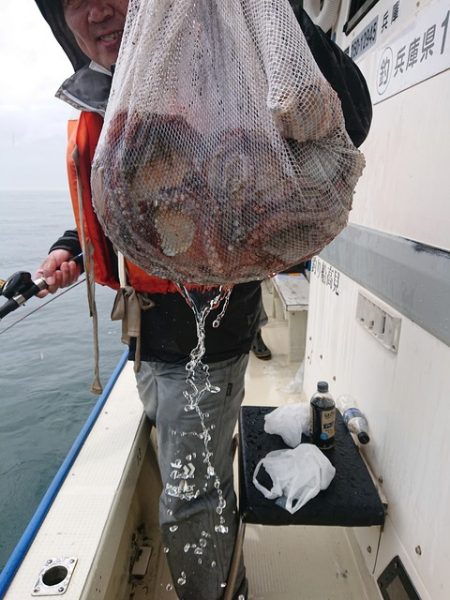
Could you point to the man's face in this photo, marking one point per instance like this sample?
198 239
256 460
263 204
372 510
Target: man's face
97 26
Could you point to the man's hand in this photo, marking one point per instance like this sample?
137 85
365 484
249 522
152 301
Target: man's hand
58 271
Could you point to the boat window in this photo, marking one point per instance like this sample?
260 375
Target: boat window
358 10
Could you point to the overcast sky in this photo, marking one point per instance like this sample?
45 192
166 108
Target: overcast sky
32 120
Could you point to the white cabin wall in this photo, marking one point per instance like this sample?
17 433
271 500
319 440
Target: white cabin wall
404 191
405 397
405 186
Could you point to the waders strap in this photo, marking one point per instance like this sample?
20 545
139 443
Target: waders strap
127 307
88 250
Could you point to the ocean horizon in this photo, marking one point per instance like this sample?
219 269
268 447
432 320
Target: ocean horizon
47 361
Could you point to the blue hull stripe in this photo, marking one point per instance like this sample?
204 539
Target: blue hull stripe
19 552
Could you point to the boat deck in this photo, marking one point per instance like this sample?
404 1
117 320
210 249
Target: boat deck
289 563
302 562
109 502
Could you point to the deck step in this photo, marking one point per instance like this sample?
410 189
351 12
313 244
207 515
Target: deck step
351 500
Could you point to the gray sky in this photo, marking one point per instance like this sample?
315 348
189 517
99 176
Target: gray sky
32 121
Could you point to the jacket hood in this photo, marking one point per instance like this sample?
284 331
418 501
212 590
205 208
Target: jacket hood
88 88
53 13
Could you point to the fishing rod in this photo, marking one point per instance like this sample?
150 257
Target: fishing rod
20 287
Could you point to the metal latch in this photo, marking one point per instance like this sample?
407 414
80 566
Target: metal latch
384 326
141 551
140 565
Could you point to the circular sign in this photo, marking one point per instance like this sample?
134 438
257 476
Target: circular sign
384 71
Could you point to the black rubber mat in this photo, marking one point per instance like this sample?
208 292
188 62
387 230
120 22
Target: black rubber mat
351 500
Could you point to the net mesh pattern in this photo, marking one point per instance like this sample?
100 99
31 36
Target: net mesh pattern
224 156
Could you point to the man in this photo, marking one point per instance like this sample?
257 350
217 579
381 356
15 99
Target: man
93 29
90 33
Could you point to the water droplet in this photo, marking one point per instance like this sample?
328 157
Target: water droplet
221 529
184 486
169 587
210 470
166 550
223 585
200 561
173 528
203 542
213 564
187 547
182 578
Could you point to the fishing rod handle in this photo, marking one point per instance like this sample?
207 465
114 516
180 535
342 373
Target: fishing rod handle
8 307
37 286
34 288
19 299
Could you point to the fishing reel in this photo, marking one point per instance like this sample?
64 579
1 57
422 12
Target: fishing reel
16 284
18 289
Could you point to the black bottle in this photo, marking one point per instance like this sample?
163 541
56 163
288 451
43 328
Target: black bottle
323 417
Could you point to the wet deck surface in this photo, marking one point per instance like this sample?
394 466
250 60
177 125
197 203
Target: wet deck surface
91 520
296 562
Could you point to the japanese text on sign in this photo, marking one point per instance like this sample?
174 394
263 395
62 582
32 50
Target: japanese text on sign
327 274
365 40
421 53
371 34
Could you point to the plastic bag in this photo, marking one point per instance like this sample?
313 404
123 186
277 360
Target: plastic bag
298 475
224 156
295 386
289 421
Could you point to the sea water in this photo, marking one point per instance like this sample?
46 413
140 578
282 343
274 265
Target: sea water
46 365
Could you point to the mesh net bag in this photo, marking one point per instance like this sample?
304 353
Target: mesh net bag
224 156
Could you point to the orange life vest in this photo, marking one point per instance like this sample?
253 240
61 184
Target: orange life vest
83 135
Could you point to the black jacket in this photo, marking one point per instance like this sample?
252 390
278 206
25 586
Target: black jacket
168 329
342 74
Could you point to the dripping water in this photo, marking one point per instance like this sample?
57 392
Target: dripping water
198 382
199 385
